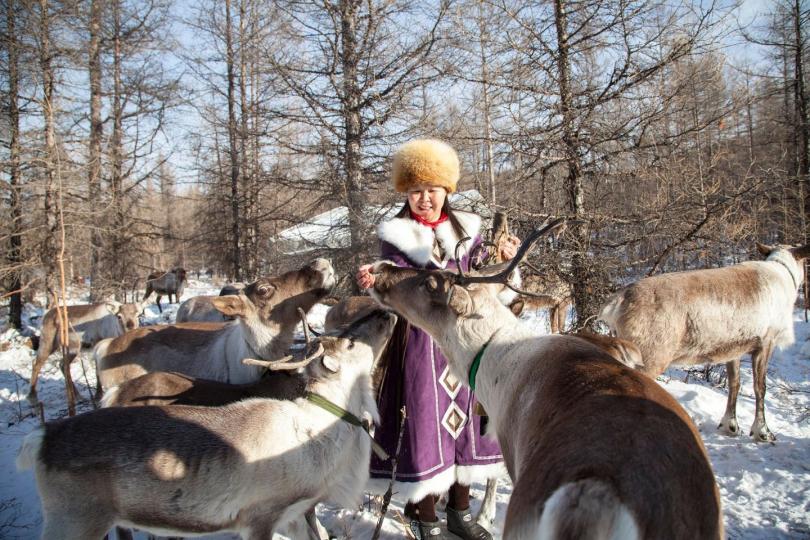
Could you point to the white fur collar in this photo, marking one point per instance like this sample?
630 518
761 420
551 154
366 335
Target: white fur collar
416 240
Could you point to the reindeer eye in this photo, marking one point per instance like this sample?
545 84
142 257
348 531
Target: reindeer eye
264 290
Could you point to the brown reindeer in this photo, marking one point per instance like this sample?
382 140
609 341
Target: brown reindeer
595 449
169 283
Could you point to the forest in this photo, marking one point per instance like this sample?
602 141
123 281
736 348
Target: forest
141 135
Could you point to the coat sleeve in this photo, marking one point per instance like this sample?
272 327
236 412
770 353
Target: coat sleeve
389 252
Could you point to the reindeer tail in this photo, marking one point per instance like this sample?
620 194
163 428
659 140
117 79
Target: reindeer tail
587 509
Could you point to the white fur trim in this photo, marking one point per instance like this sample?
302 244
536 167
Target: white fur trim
416 240
471 474
416 491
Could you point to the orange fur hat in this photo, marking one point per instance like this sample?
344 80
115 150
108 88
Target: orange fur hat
425 161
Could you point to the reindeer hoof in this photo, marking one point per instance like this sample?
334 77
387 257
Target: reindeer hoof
731 428
763 436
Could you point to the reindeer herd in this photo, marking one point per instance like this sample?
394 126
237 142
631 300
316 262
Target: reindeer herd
217 424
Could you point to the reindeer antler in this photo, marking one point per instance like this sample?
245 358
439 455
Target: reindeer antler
284 363
503 276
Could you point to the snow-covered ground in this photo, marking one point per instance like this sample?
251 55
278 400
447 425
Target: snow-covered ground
765 487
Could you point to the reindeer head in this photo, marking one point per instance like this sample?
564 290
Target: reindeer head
790 257
360 344
127 314
431 297
180 273
276 300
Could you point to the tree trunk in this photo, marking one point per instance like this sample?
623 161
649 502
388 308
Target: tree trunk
581 270
51 203
356 198
802 125
482 26
233 145
15 211
117 255
96 135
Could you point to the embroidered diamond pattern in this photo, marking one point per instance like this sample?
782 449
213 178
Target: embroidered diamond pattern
454 420
450 384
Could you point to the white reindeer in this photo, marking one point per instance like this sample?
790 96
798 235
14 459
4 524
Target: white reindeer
87 325
715 316
250 467
594 448
266 317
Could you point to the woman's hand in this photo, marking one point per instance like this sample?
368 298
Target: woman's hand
365 279
509 248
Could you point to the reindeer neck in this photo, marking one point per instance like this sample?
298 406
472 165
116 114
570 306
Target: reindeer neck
486 338
349 388
266 342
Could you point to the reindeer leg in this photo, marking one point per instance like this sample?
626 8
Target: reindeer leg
759 430
554 319
729 421
315 529
486 514
46 346
160 309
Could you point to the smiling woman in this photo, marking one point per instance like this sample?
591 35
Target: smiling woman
442 446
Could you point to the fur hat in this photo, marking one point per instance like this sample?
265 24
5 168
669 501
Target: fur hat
425 161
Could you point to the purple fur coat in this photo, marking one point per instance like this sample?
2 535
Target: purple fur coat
442 442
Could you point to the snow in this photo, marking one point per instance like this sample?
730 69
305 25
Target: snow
764 486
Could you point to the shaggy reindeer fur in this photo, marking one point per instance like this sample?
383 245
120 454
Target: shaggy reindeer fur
266 319
199 309
714 316
249 467
594 448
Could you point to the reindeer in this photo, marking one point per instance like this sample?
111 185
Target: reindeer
87 325
715 316
266 316
595 449
250 467
169 283
548 291
171 388
199 309
232 288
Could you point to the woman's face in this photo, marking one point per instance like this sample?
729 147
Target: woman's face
427 201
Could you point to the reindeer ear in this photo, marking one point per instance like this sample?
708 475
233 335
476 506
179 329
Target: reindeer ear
460 301
517 306
113 307
765 249
231 306
330 363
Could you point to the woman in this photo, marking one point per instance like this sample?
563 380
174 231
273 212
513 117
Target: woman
442 447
